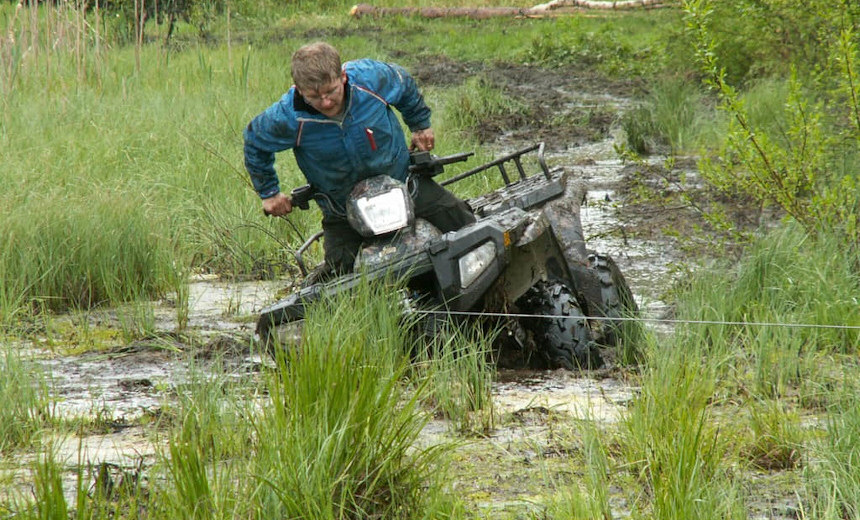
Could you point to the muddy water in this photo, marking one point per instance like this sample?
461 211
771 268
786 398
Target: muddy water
127 382
119 387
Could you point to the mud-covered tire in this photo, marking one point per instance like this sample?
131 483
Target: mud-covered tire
276 340
319 274
616 298
561 338
428 324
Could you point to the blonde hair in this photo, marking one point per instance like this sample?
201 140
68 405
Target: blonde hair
315 65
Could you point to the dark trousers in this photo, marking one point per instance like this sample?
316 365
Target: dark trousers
432 203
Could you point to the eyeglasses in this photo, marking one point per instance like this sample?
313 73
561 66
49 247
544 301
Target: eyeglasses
329 93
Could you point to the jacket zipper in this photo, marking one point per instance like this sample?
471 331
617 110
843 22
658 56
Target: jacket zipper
370 138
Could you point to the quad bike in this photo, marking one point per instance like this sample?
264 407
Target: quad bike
524 260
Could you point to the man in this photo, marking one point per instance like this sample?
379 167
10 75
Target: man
339 122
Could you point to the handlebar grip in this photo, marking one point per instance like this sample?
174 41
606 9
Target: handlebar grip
301 196
427 164
292 202
457 157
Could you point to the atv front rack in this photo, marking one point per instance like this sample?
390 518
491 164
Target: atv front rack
516 157
525 193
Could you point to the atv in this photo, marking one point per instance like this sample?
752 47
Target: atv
523 264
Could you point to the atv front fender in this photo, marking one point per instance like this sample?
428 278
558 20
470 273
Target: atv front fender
292 308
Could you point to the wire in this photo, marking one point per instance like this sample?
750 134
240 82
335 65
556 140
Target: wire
652 320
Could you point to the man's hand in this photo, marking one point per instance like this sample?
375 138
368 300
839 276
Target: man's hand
277 205
423 140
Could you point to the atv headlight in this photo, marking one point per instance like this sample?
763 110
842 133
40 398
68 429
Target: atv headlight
475 262
385 212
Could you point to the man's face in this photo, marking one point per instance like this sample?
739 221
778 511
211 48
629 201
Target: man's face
328 99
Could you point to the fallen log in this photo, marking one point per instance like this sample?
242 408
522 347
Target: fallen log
489 12
443 12
592 4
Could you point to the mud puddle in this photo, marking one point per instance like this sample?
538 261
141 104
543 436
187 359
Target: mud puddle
511 471
119 387
126 382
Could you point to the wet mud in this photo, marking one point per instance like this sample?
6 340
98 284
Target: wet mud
565 108
577 117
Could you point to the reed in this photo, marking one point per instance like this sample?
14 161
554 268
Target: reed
338 438
587 497
672 442
459 369
833 482
27 408
673 118
788 312
777 438
50 500
202 470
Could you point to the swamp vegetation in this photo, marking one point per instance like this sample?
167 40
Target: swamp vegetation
123 183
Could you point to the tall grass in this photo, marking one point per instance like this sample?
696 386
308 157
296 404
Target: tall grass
26 408
478 102
50 499
673 118
109 209
212 411
777 436
104 249
51 496
589 498
745 365
460 372
339 435
202 471
208 434
672 441
198 485
785 298
834 480
765 101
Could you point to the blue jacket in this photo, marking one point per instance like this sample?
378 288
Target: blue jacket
334 155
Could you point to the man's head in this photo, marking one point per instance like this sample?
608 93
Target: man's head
317 73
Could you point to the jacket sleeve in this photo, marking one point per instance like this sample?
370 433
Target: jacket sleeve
398 88
270 132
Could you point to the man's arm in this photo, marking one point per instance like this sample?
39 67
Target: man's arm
409 101
398 88
268 133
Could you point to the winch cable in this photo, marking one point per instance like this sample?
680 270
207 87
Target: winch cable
642 319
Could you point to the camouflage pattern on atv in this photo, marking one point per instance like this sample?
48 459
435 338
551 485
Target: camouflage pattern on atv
540 273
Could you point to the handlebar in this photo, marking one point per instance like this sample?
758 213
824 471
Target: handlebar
299 197
302 196
427 164
420 163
